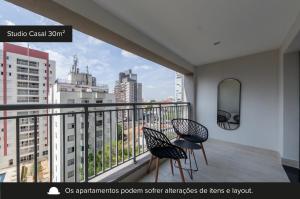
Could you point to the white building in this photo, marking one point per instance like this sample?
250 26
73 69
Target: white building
179 88
78 88
26 76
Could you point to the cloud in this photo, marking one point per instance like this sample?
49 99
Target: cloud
127 54
150 86
8 23
93 41
63 63
142 67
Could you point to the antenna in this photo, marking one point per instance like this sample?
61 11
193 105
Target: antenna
87 77
75 63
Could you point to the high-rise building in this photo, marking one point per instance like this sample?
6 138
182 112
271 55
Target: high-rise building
179 87
78 88
127 89
26 76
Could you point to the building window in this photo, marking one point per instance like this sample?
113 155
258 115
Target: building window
71 126
71 138
22 62
45 152
9 66
71 101
71 162
11 162
70 174
99 101
71 149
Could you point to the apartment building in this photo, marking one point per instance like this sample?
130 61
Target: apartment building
26 75
179 87
68 152
127 89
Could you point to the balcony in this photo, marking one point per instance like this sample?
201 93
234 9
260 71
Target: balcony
77 136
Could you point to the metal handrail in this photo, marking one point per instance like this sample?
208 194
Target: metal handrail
154 116
11 107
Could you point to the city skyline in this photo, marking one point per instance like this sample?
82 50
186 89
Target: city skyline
106 64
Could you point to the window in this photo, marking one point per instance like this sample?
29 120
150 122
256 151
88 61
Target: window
33 85
71 101
99 101
22 77
71 138
22 92
33 63
22 69
70 174
22 62
71 162
71 126
71 149
99 123
11 162
33 78
33 71
22 84
45 152
9 66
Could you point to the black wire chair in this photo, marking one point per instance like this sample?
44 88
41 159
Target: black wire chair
223 119
191 131
160 147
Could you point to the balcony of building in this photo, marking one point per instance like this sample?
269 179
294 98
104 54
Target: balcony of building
254 42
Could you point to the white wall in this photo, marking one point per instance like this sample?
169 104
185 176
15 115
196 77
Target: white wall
291 107
258 75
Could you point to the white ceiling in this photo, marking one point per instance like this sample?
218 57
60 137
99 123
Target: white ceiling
190 27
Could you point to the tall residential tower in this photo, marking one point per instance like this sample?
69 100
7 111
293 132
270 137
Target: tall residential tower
26 76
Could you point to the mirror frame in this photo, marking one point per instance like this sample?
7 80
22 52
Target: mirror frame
240 97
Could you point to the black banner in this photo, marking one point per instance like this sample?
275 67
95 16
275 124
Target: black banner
149 190
35 33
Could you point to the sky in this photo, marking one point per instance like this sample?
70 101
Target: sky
104 60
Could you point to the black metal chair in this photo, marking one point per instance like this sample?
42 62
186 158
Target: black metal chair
191 131
223 119
160 147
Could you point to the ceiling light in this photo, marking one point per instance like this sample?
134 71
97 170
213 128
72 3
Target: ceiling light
217 43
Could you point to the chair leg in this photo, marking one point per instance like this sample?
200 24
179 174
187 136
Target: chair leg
157 169
180 170
171 164
203 151
149 166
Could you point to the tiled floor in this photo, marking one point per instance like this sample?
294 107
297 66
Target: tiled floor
228 162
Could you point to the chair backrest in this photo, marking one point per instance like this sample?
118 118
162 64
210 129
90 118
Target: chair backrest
155 138
189 127
160 146
224 114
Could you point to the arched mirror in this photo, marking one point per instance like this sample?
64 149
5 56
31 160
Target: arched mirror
229 104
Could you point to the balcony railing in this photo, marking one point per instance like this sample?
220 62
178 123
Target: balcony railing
84 140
